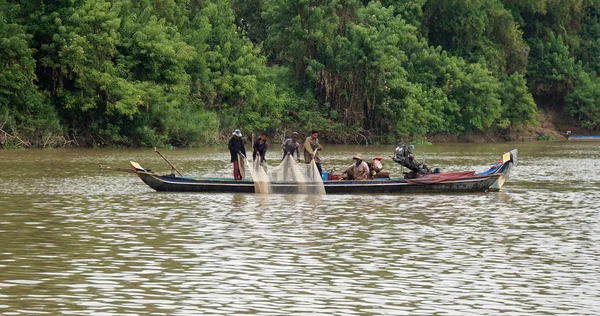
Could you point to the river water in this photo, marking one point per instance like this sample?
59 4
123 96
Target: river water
78 240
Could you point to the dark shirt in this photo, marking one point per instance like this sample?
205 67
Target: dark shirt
290 146
236 145
261 149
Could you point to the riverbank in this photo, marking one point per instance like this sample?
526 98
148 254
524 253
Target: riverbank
550 128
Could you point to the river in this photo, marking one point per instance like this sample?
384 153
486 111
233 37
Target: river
79 240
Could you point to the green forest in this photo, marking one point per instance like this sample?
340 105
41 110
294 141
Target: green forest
184 73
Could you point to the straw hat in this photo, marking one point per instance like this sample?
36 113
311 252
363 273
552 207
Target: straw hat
357 156
237 133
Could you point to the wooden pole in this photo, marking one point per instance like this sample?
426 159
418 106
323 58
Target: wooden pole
170 164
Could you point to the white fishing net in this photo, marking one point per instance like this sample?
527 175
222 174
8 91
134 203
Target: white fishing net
241 162
259 176
291 177
314 178
288 177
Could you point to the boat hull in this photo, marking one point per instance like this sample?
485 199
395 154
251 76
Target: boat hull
179 184
490 180
580 138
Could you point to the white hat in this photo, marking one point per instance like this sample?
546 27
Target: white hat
237 133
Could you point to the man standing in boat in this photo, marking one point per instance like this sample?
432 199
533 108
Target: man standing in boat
260 148
237 148
311 144
291 146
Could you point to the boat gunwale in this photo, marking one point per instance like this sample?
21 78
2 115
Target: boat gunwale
360 183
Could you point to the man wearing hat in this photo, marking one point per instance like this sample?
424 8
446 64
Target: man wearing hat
291 146
359 170
237 148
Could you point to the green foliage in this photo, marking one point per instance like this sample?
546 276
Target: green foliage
186 73
584 103
541 18
518 106
552 70
26 119
476 29
248 17
546 138
589 51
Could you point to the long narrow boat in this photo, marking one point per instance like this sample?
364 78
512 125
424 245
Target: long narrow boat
583 138
445 182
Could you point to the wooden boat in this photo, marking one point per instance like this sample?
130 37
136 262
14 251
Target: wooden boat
581 138
445 182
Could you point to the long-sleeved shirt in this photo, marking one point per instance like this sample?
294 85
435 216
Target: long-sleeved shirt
260 149
236 145
310 145
290 146
360 171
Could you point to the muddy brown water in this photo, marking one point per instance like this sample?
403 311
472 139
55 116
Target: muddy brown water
77 240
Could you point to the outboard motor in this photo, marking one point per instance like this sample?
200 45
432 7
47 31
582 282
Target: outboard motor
403 155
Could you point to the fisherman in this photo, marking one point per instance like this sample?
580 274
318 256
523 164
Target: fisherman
359 170
260 148
291 146
311 144
237 148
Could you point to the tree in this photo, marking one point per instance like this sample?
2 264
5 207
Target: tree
26 119
518 107
551 71
476 29
584 103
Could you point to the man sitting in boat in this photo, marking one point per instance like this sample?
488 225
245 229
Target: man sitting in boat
359 170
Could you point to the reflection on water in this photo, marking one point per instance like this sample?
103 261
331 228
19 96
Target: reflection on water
81 241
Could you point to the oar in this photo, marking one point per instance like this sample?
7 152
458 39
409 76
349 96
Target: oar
170 164
117 169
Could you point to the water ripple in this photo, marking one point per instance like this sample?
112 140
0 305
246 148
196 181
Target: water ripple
105 244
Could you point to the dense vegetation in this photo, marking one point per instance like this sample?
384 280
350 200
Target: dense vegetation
188 72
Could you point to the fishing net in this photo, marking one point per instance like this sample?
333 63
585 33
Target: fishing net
242 165
314 178
259 176
287 171
290 177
